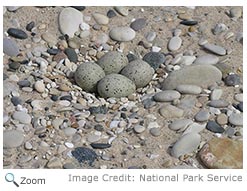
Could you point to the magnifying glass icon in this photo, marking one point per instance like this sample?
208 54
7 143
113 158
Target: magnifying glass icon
9 177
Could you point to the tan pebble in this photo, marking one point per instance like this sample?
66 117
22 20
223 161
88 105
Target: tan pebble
104 28
222 119
64 87
42 26
39 86
184 16
192 29
73 44
75 125
62 44
60 56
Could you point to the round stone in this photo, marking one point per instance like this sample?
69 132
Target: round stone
10 47
222 153
39 86
166 96
69 21
87 76
115 85
236 12
202 115
189 89
154 59
69 131
138 24
236 119
200 75
122 34
208 59
186 144
100 19
22 117
174 43
222 119
139 128
12 139
232 80
214 127
180 124
155 132
84 155
17 33
113 62
139 72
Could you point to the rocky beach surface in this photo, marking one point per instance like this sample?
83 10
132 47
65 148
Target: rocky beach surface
122 87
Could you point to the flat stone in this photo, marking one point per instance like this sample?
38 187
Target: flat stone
122 10
180 124
216 94
151 36
100 19
189 22
49 38
22 117
208 59
218 103
186 144
236 119
189 89
166 96
222 153
138 24
154 59
215 49
170 111
214 127
219 28
155 132
93 138
122 34
10 47
174 43
12 139
194 75
54 162
69 21
202 115
17 33
139 128
100 145
194 128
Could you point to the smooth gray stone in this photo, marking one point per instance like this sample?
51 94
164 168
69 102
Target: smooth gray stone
166 96
170 111
100 19
216 94
139 128
12 139
69 131
180 124
202 115
218 103
207 59
174 43
13 8
189 89
122 34
215 49
236 119
195 128
22 117
199 75
186 144
10 47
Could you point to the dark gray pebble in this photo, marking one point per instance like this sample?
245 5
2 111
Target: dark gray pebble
5 76
66 97
72 56
30 26
232 80
189 23
230 132
154 59
84 155
100 109
14 65
100 145
214 127
148 103
54 97
24 83
240 106
111 14
16 101
79 8
138 24
99 127
131 57
53 51
17 33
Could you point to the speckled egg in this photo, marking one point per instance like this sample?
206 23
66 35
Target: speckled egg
87 75
113 62
115 85
139 71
